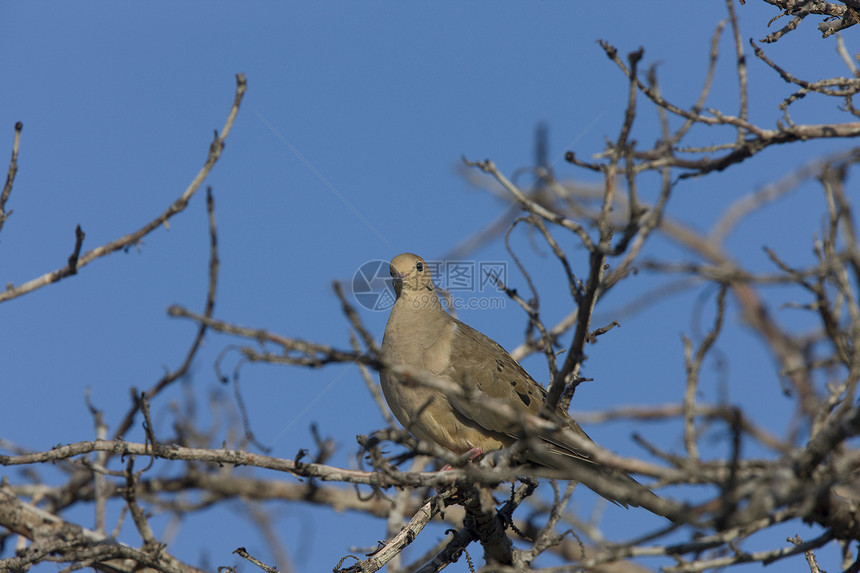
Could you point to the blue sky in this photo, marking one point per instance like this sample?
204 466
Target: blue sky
346 150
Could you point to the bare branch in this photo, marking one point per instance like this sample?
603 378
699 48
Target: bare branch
215 149
10 175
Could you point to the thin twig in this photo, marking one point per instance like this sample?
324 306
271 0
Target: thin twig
215 149
10 175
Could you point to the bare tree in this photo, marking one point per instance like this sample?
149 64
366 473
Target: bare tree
810 477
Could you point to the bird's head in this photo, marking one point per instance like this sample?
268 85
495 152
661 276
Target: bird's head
411 274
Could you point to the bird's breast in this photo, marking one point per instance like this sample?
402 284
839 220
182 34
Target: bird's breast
427 348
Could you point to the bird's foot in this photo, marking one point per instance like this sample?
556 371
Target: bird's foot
472 454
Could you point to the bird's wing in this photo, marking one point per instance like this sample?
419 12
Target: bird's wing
477 363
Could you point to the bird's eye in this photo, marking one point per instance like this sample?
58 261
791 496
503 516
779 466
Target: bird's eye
419 266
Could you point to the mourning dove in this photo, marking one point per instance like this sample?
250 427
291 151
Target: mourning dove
421 335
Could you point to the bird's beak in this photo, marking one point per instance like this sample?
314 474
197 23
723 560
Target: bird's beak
397 279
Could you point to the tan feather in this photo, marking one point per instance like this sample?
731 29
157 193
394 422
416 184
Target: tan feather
421 334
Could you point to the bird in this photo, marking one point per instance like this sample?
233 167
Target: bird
421 336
